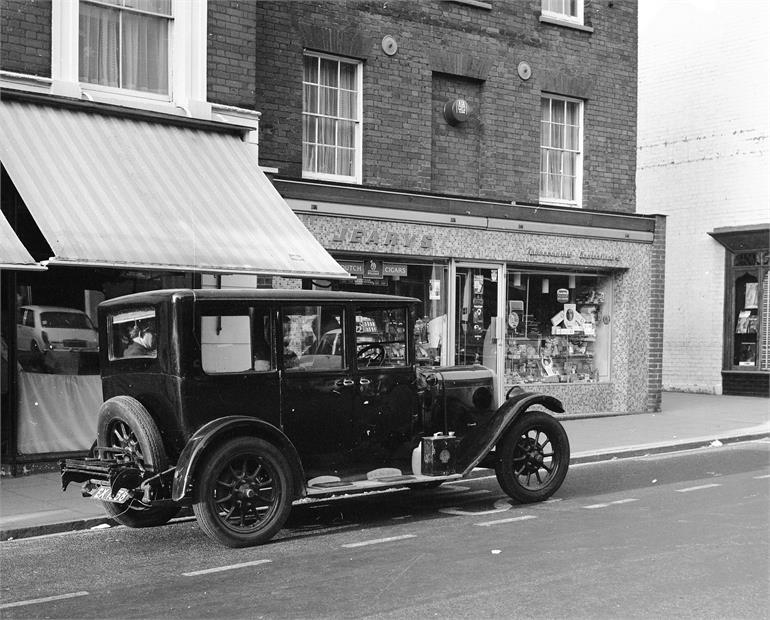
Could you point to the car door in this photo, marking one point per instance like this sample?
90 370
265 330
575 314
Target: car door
317 386
385 409
237 371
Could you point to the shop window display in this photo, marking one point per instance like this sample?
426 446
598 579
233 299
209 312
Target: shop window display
557 328
751 305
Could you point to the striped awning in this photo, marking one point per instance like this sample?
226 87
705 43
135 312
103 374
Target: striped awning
134 193
13 254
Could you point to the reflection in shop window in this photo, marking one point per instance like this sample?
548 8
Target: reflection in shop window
557 328
54 339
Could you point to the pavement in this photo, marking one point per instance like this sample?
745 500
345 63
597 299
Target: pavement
34 504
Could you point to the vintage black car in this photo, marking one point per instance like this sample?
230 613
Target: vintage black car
243 402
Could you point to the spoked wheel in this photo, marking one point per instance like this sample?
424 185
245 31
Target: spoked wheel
244 493
532 458
124 423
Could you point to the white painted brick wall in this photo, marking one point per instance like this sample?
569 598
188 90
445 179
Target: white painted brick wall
702 160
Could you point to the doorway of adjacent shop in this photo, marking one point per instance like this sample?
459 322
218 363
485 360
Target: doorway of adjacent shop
476 305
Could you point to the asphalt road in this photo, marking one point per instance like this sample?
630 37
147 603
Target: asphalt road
681 535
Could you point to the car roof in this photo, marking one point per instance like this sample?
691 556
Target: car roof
249 294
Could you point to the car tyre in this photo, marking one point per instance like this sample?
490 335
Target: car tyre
124 422
532 457
244 493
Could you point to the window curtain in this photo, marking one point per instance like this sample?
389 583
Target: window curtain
123 49
99 45
145 53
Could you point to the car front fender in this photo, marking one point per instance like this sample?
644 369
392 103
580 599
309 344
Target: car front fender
477 444
216 431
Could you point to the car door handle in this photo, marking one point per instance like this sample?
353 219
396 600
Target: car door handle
364 381
344 382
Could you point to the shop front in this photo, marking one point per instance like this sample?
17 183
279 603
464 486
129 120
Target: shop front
103 203
547 302
746 339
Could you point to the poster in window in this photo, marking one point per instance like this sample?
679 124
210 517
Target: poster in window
751 296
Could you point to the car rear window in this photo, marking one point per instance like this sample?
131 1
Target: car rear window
132 333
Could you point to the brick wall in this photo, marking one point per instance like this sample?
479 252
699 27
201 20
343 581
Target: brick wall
440 41
231 53
25 36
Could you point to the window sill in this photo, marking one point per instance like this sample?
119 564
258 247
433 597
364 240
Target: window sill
330 177
565 24
557 203
475 3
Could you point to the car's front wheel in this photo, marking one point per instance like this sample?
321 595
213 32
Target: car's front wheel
124 423
532 457
244 492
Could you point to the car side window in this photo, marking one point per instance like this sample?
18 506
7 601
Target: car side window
236 340
312 338
381 337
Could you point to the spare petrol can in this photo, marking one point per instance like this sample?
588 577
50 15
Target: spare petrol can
439 456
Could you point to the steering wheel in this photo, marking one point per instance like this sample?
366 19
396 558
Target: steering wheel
372 354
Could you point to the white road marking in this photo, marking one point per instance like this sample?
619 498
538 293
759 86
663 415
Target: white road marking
698 488
377 541
616 502
501 505
46 599
511 520
219 569
761 477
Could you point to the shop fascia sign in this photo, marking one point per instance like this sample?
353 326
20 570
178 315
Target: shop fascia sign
373 268
382 238
570 255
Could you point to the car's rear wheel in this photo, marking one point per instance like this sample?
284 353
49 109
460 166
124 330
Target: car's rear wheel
123 422
532 457
244 492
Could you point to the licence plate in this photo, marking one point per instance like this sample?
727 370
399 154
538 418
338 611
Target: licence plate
104 494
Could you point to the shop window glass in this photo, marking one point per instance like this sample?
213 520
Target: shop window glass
132 334
748 318
56 340
381 337
746 321
313 338
557 328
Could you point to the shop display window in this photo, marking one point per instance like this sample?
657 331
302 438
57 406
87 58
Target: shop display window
557 328
749 312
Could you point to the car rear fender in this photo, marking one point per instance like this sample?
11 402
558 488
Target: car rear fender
478 444
221 429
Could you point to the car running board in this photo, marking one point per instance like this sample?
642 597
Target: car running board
326 488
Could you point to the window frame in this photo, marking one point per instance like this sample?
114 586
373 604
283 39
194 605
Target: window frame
187 59
577 199
358 132
563 16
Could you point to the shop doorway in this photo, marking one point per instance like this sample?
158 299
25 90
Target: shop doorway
476 309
